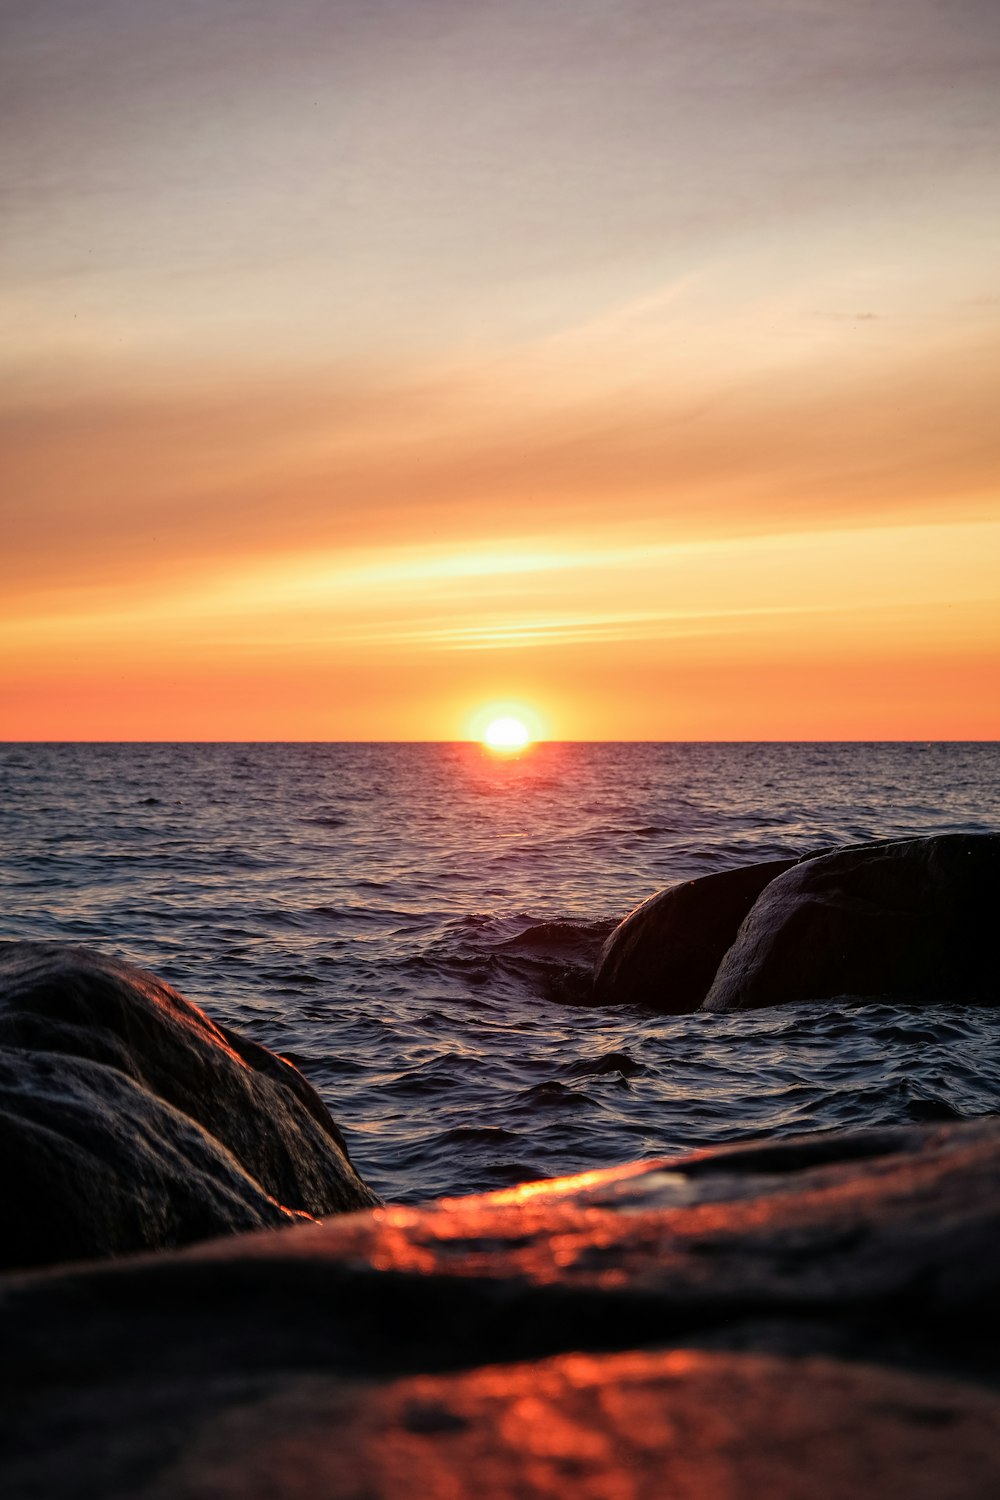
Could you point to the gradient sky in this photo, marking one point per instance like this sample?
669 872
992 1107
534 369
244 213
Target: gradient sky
364 364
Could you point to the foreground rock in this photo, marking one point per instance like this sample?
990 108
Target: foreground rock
914 920
130 1121
802 1319
665 953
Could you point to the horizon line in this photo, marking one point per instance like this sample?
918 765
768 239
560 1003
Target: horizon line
901 740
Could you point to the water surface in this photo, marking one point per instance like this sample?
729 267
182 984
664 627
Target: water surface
412 923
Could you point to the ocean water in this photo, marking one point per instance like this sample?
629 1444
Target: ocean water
413 925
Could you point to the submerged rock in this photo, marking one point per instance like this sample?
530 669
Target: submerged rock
913 920
805 1319
665 953
129 1120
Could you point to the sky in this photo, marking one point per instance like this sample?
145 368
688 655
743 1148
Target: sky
368 364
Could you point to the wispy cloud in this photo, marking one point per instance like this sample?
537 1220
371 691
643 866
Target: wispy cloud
436 599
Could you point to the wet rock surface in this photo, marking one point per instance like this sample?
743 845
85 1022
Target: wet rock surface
792 1318
130 1121
913 920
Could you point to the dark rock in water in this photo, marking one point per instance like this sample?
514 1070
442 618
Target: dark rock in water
665 953
907 920
129 1121
914 920
804 1319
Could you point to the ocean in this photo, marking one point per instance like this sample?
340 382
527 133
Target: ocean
413 926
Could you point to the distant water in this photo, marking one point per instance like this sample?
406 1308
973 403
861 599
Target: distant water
412 923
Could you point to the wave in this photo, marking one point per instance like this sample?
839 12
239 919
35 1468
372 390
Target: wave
608 1062
571 943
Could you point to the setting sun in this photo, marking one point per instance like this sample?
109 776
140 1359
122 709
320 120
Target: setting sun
506 733
507 724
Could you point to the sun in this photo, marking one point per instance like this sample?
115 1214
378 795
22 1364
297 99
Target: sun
506 733
506 725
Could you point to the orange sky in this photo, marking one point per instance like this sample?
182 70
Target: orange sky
634 364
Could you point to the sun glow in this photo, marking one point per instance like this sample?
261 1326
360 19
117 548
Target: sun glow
506 733
506 725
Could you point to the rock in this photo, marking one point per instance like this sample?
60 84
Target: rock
129 1121
636 1426
94 1165
913 920
665 953
805 1319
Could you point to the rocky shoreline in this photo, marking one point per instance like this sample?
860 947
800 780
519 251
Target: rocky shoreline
803 1318
793 1318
